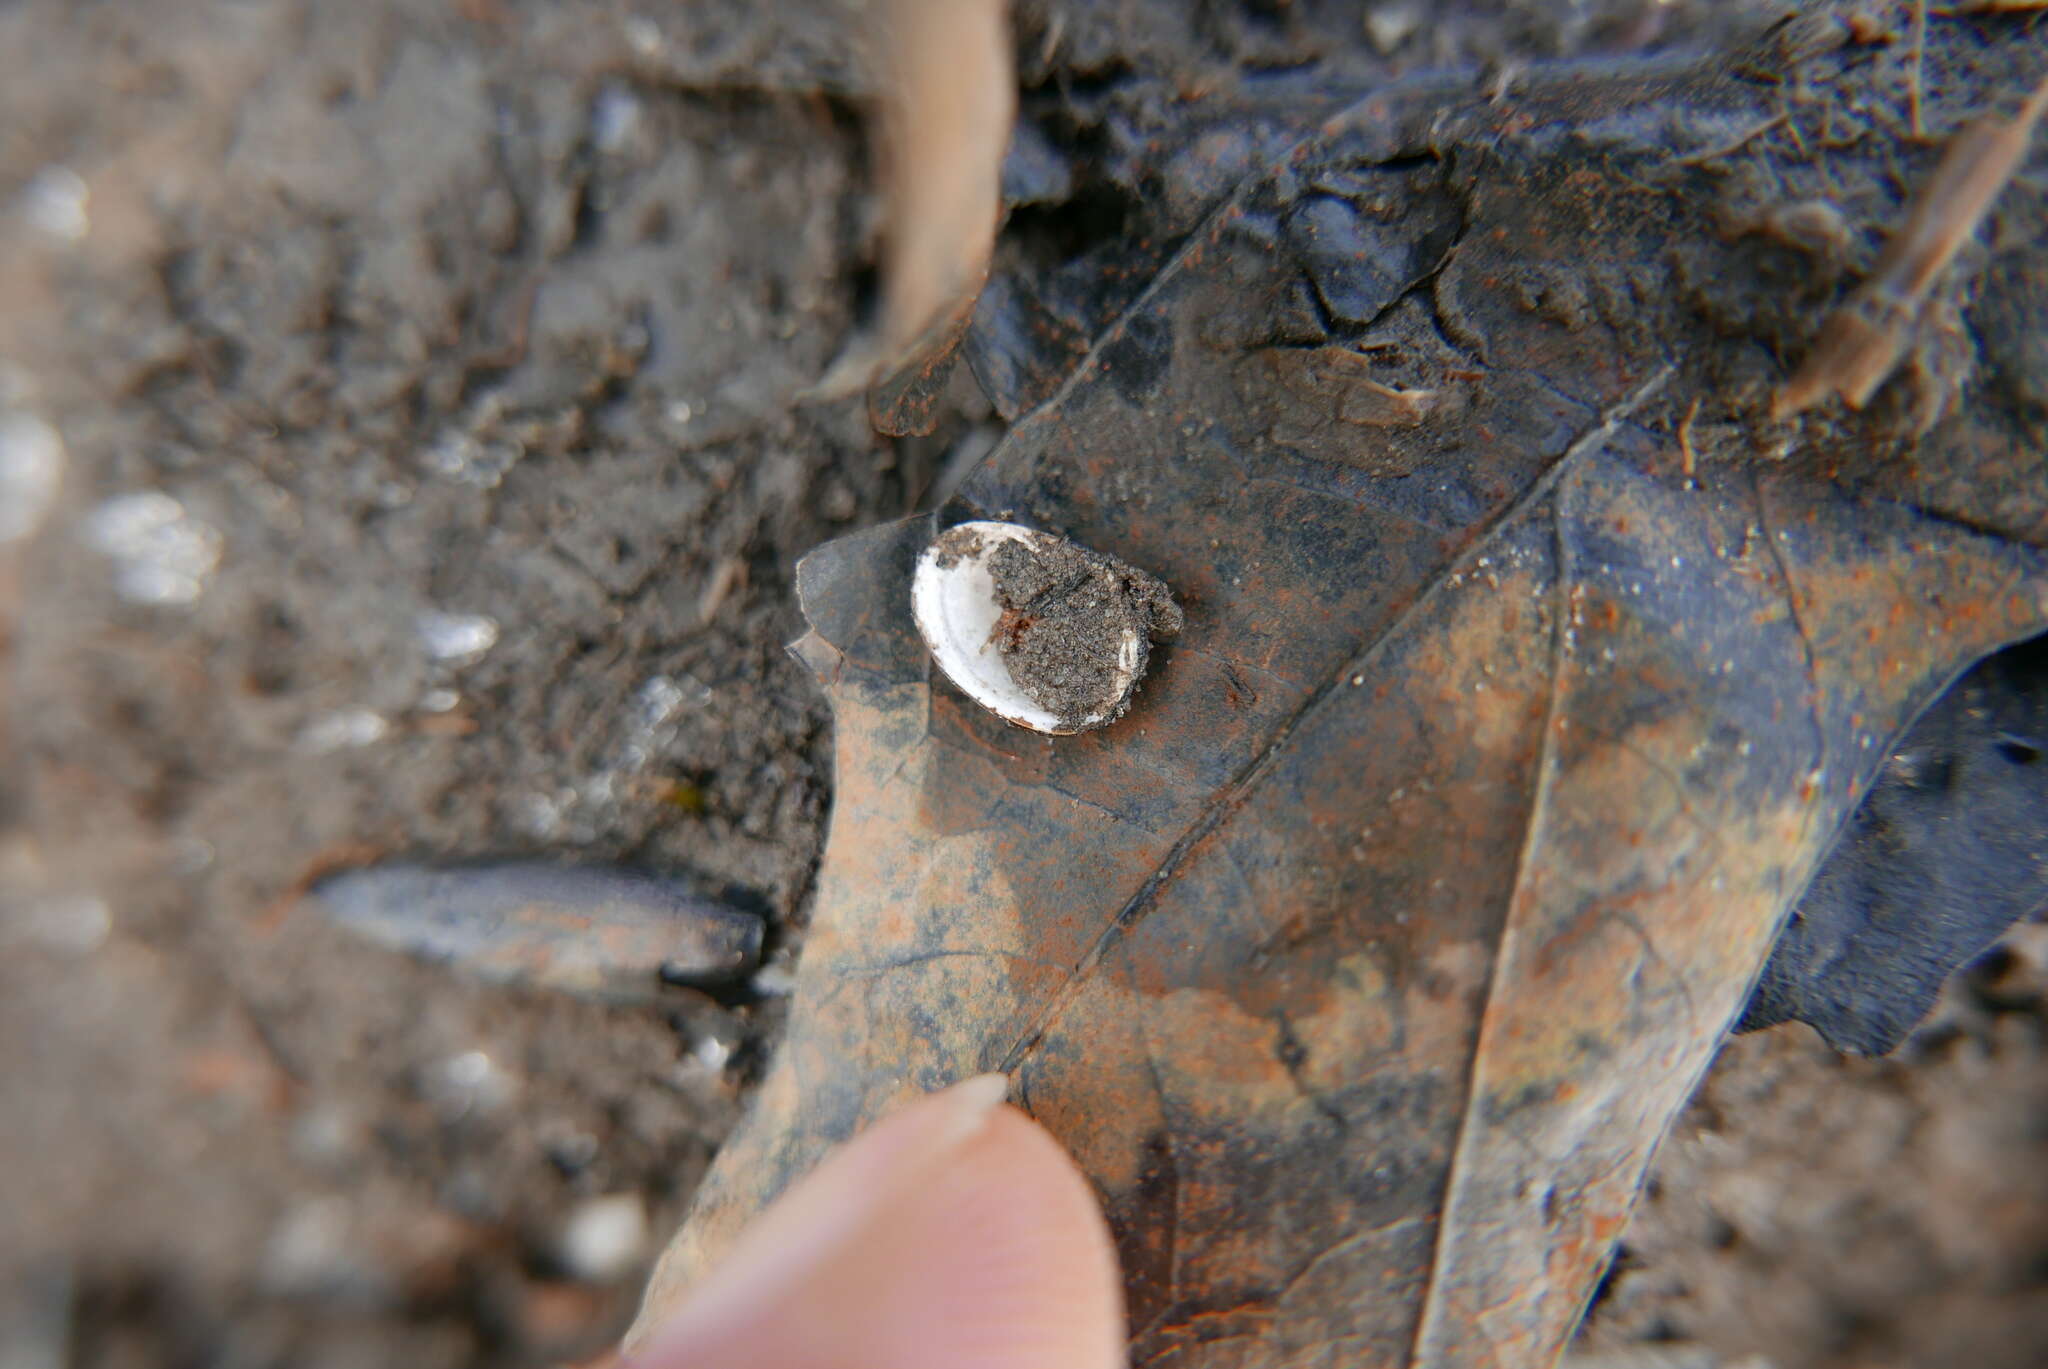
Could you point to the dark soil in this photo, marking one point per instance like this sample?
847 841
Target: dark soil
455 347
1067 614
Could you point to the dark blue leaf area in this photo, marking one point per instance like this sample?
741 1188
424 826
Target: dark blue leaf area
1948 849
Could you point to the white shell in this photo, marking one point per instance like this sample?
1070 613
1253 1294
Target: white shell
957 610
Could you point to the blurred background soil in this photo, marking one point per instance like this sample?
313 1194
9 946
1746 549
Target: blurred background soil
424 376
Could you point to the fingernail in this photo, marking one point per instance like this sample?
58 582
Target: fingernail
969 1104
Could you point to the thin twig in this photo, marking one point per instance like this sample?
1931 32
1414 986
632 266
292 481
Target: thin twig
1696 158
1689 457
1863 340
1919 57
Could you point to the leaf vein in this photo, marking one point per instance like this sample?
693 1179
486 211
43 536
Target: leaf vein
1230 797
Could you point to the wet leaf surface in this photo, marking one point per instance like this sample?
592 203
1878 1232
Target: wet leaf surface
1529 673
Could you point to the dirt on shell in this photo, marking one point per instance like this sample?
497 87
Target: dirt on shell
1077 626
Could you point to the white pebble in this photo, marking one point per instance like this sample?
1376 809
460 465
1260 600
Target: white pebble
308 1250
1389 26
712 1052
614 118
644 36
31 468
469 1083
657 700
456 636
161 554
775 980
343 730
603 1239
466 460
54 200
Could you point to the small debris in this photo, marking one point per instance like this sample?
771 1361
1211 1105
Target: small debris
710 1037
469 1084
644 36
650 727
595 931
776 979
1688 454
604 1238
1389 26
1815 227
1735 144
729 574
1919 60
614 118
344 730
31 469
456 637
713 1052
309 1252
439 701
161 554
1864 339
1867 29
466 459
55 200
1370 404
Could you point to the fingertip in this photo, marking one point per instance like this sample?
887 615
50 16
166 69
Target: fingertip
1022 1268
987 1253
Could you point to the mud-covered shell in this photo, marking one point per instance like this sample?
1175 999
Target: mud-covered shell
953 597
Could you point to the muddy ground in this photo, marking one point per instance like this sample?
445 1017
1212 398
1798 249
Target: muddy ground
426 378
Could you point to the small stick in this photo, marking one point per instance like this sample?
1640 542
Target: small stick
1863 340
1919 58
1688 458
1696 158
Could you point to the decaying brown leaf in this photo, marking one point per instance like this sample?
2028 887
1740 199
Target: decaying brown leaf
1364 963
947 103
1863 341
